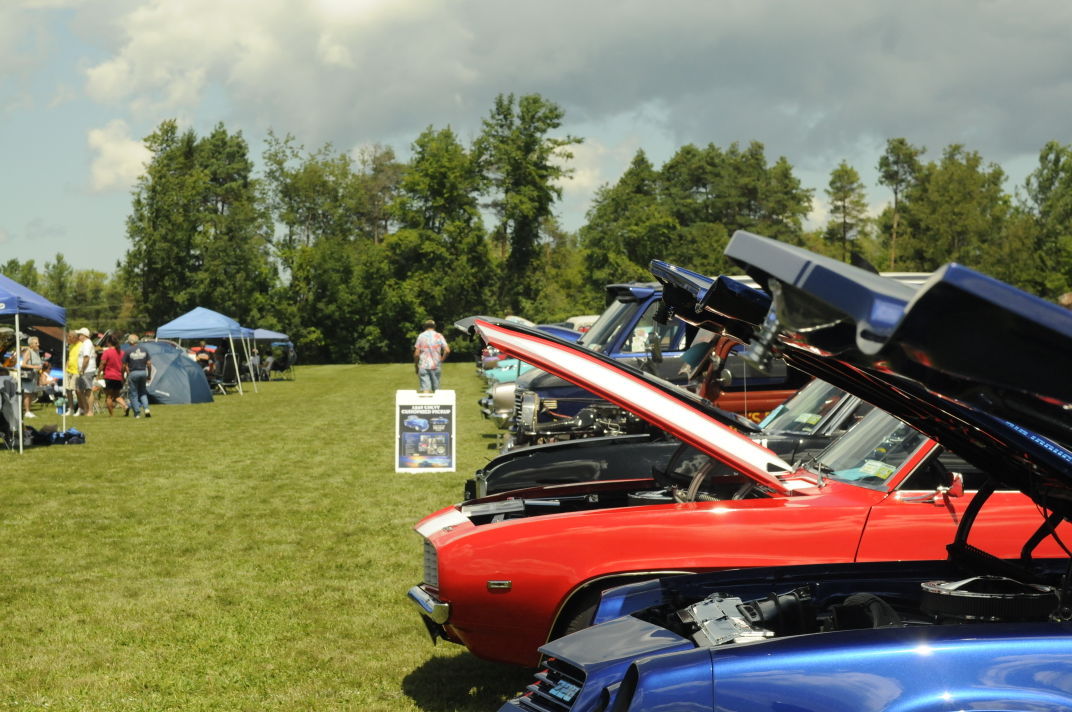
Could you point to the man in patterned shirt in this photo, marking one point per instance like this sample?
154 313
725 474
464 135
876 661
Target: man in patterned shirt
428 353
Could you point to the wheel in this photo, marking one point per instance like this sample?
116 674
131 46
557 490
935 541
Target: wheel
580 611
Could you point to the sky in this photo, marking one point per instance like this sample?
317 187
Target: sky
82 82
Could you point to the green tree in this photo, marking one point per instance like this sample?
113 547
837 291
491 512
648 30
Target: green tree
625 228
445 255
523 163
25 273
234 274
163 226
898 168
954 211
848 206
197 229
1049 204
56 280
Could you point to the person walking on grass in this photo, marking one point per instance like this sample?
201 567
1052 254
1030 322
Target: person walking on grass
111 366
137 365
429 352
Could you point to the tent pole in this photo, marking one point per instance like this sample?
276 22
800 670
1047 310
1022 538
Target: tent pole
18 375
234 359
249 362
66 358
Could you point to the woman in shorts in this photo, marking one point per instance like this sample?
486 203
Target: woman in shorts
111 366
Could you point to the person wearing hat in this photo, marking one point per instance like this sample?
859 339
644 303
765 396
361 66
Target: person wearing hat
87 370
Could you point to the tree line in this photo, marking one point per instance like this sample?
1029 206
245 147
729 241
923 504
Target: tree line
349 252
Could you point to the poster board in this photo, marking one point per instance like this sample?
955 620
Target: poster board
425 434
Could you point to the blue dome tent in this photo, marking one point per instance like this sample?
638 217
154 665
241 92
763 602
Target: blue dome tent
176 378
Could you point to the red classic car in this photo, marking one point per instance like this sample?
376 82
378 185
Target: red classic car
505 573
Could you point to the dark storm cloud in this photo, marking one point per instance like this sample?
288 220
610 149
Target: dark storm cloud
815 82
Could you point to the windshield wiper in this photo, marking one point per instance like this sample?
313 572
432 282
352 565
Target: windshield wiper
820 468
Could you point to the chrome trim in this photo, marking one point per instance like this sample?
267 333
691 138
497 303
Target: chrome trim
429 605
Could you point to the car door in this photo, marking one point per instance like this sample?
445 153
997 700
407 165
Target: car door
916 510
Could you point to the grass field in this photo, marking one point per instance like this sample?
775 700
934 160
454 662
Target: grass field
248 554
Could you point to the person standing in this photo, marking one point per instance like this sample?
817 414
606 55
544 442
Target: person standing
136 364
87 371
70 373
111 366
31 373
428 354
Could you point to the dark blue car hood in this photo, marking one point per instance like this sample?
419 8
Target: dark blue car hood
978 365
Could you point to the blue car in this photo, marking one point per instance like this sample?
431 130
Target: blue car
414 422
972 632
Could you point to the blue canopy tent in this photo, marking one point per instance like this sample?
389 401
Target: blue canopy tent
269 335
276 338
202 323
28 308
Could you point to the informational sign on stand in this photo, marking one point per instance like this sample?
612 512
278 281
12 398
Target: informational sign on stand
424 431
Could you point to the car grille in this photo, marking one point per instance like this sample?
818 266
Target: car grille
555 690
431 565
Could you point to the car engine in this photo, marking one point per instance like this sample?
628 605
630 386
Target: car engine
720 619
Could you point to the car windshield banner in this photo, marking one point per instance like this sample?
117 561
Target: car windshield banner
424 431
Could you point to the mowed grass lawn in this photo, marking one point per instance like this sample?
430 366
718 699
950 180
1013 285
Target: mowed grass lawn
249 554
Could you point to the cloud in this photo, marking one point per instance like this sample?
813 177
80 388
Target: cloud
810 84
119 159
37 229
5 236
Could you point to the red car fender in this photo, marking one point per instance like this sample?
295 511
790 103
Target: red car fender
536 565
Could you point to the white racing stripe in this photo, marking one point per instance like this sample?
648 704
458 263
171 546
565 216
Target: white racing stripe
449 518
645 400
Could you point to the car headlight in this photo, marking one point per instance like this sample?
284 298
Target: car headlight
502 395
530 409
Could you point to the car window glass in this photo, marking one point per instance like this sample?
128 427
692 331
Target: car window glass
806 410
672 338
871 452
746 375
606 328
938 469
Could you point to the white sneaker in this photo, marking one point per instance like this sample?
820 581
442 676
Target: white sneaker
76 413
28 415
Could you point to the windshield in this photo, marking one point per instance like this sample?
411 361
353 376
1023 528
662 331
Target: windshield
607 326
870 453
803 412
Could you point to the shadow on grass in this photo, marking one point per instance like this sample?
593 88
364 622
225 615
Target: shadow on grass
464 683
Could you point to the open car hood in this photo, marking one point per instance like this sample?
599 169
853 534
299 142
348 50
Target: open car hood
681 413
978 365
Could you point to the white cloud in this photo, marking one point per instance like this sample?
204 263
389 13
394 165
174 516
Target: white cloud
119 159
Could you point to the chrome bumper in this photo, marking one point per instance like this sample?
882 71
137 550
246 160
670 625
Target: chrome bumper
429 606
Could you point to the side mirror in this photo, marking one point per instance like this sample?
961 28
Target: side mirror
956 489
725 378
942 494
